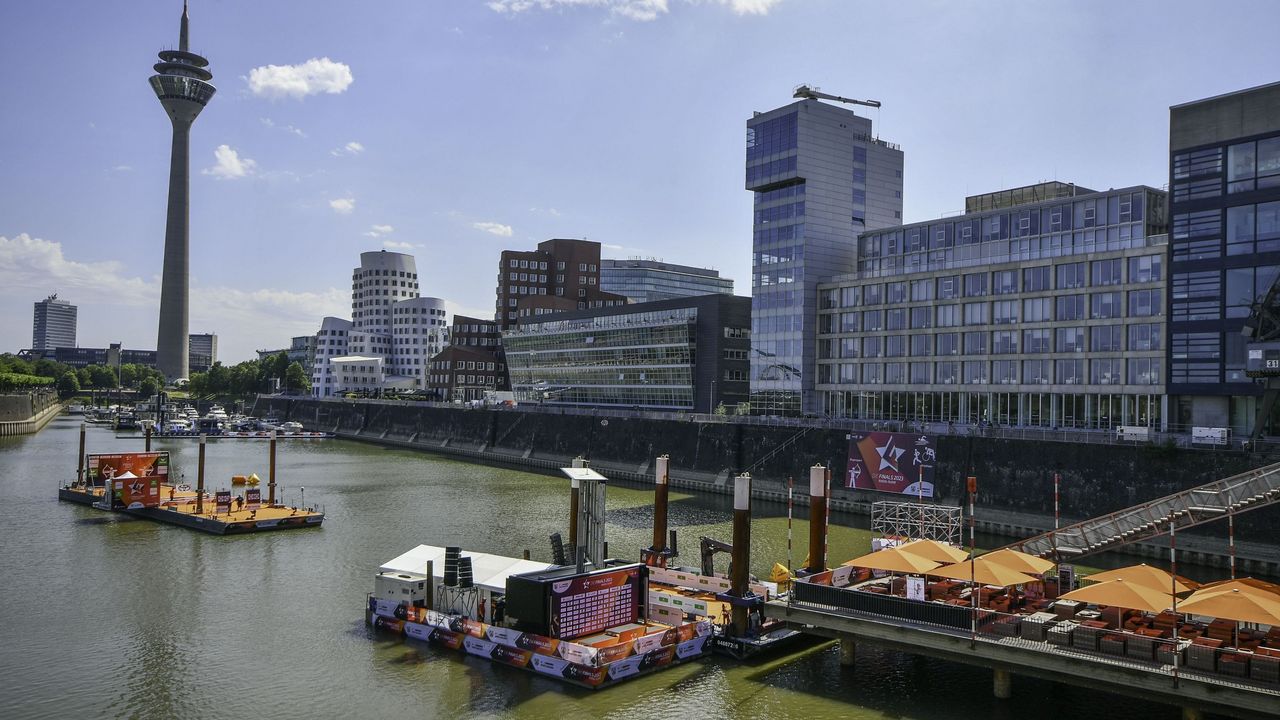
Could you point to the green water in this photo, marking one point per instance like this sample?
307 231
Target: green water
105 616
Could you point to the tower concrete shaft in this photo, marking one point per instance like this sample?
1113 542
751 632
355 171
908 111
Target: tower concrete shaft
182 86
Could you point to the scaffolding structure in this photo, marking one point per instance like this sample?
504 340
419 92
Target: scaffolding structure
918 521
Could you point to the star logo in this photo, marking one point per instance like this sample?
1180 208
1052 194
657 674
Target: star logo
889 455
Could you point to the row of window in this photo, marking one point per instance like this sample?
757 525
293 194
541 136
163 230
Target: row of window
1043 278
1101 338
384 273
1249 229
1098 371
1064 308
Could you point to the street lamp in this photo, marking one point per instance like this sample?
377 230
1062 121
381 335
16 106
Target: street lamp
303 492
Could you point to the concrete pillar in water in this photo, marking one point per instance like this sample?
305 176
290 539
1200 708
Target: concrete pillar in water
1190 713
1003 684
200 480
817 519
80 461
271 472
847 647
740 576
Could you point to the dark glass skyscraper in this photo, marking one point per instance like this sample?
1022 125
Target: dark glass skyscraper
182 85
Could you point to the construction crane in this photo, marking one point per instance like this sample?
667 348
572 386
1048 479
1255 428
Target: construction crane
807 93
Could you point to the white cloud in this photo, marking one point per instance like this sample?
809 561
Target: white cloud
122 168
393 245
244 319
317 75
379 231
547 211
228 165
492 227
343 206
641 10
287 128
351 148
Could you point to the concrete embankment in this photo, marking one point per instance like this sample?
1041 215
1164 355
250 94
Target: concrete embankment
25 413
1015 477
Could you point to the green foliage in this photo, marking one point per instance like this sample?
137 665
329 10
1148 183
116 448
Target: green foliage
242 379
101 376
68 384
295 378
149 386
22 381
721 409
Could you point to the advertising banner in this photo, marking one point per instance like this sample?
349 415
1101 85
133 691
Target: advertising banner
892 462
915 588
589 603
103 468
253 498
135 493
548 665
690 648
222 501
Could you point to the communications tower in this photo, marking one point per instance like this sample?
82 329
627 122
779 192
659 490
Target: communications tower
182 85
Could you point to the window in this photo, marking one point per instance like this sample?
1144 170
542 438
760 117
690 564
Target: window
872 294
921 345
975 313
1004 282
895 346
1104 305
949 344
975 285
1036 309
1035 279
850 322
947 373
1004 372
921 373
1035 341
873 320
895 319
872 373
871 347
1004 312
1108 371
1069 372
1070 340
1105 338
1105 272
1144 269
1144 371
975 343
948 315
921 317
895 292
948 287
1144 336
1070 307
1036 372
1004 343
1144 303
975 372
1071 275
921 290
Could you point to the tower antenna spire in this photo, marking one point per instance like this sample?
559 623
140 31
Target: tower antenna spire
182 34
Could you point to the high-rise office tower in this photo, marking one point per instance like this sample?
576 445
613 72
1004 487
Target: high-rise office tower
54 324
820 178
1224 249
182 85
560 275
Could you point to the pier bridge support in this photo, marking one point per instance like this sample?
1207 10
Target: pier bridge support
1002 684
848 647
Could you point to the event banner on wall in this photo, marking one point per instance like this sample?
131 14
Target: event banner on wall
892 462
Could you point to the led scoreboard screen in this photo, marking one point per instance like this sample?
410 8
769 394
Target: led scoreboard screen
590 603
1263 360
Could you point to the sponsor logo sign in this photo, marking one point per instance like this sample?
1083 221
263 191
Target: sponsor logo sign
253 498
892 462
588 604
625 668
103 468
222 501
691 648
548 665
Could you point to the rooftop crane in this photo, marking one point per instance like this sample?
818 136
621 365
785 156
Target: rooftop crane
807 93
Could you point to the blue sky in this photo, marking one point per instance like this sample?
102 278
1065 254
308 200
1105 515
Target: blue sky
453 130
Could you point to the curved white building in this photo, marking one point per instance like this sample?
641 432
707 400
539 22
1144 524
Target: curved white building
390 321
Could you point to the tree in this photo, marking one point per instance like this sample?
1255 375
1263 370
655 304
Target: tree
280 365
130 374
68 384
83 376
101 376
149 386
295 378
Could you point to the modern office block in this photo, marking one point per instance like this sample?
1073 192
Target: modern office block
642 281
1224 249
820 177
182 85
560 275
1045 314
202 351
53 324
686 354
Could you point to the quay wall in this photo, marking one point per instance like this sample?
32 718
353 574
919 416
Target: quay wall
26 413
1015 477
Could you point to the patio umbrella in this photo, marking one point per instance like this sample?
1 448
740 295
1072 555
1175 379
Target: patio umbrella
1246 585
1125 594
934 550
1020 561
894 560
1147 576
986 573
1234 604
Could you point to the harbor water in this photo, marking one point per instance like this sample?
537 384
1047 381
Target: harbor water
108 616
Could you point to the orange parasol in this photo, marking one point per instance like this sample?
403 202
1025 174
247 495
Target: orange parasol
1020 561
1233 604
934 550
1147 576
1123 593
894 560
986 573
1247 585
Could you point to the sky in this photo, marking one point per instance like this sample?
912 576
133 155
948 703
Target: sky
455 130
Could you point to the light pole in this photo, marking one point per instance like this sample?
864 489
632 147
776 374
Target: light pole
303 492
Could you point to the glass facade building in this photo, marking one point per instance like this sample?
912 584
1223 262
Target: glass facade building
644 281
1047 314
819 178
1224 249
687 354
53 324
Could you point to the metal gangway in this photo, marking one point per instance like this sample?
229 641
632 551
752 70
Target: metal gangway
1189 508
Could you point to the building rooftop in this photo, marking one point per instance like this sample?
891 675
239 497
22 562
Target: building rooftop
1027 194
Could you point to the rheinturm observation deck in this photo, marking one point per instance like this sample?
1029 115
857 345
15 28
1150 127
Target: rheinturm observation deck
182 85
